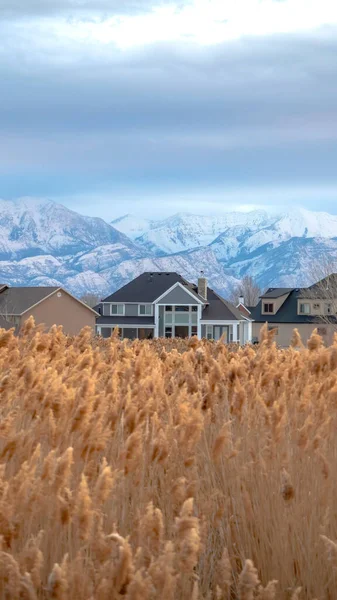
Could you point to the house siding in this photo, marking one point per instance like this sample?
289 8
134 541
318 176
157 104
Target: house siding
285 332
65 311
277 302
178 296
106 310
131 310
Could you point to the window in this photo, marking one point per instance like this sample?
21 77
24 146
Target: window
316 306
305 308
145 310
194 309
117 309
329 308
168 332
182 309
209 332
268 308
145 333
194 330
168 308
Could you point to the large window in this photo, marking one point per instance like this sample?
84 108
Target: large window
305 308
180 321
268 307
117 309
145 310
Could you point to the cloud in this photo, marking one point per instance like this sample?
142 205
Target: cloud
19 9
83 111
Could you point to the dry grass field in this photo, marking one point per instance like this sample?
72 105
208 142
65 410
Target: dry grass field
166 470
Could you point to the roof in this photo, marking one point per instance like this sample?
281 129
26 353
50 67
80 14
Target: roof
276 292
323 289
287 313
136 321
16 300
219 309
149 286
6 324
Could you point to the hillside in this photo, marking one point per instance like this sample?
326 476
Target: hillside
45 243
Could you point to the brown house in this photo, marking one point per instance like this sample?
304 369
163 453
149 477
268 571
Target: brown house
48 305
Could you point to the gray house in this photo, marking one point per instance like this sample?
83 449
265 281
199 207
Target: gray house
166 305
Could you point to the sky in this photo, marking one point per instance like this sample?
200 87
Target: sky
153 107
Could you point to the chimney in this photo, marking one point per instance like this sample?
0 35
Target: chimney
241 300
202 286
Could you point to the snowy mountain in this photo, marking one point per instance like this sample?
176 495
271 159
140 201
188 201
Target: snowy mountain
184 231
44 243
35 226
132 226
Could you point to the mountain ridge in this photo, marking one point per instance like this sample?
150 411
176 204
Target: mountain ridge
45 243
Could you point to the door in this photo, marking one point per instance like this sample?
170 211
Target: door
220 330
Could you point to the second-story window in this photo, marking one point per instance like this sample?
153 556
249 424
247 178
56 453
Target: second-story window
268 307
145 310
305 308
117 309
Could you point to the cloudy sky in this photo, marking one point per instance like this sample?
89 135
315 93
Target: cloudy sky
150 107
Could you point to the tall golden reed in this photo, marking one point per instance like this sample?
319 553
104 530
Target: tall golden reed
166 469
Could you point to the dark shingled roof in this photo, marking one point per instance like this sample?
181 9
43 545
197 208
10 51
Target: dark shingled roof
136 321
276 292
148 287
287 313
16 300
5 324
219 309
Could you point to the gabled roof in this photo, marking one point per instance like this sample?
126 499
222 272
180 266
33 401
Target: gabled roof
219 309
276 292
149 286
17 300
323 289
287 313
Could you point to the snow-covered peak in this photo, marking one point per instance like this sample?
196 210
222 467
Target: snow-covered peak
132 226
31 226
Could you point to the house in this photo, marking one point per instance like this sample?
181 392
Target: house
306 309
48 305
166 305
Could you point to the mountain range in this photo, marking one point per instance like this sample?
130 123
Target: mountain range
45 243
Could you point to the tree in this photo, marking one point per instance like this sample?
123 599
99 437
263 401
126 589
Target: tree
90 299
321 296
248 290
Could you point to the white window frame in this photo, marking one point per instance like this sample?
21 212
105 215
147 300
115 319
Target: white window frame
117 314
304 312
150 314
209 332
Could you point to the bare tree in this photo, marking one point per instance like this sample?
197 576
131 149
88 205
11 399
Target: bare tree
248 290
90 299
320 299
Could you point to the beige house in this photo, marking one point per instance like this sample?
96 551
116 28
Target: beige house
48 305
305 309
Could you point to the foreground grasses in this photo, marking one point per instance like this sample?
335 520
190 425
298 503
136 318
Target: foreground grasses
141 472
